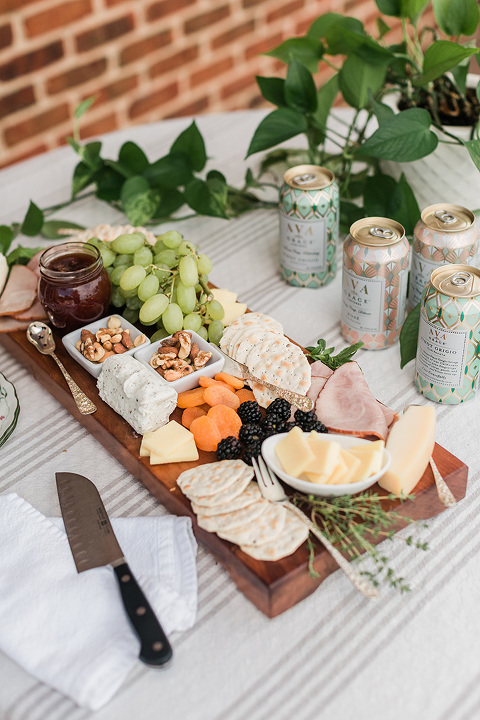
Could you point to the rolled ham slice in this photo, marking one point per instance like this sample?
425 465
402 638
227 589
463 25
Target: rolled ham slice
20 291
346 405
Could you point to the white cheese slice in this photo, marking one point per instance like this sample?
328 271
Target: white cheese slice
144 399
224 295
233 310
410 443
326 454
371 457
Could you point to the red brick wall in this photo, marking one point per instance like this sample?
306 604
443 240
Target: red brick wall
144 59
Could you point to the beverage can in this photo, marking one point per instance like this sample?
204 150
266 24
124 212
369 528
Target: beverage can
447 363
376 257
445 234
309 201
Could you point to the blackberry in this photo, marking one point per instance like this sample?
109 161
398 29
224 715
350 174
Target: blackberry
305 420
251 433
280 408
252 450
287 426
271 425
229 448
319 427
249 412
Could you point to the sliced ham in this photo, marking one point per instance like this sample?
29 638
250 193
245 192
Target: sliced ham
346 405
20 291
9 324
34 312
34 262
319 369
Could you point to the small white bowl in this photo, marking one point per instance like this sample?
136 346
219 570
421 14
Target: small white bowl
320 489
92 367
214 365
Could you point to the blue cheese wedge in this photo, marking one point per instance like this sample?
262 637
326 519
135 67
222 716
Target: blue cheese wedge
144 399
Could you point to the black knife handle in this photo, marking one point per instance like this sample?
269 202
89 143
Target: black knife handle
155 648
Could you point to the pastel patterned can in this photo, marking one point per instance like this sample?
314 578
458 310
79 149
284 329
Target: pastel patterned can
445 234
308 226
448 352
376 256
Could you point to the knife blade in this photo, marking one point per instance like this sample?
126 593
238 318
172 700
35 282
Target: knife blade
93 544
239 370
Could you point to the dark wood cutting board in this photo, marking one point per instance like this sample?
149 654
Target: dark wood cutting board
272 586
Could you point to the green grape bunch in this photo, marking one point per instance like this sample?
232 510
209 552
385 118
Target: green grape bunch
163 285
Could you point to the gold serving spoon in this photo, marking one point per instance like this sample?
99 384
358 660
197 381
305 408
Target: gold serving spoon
40 335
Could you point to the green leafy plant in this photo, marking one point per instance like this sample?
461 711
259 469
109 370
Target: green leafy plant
355 524
321 352
366 70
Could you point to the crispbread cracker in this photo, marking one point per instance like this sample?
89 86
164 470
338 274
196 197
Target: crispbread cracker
250 495
213 478
267 527
255 317
233 519
293 535
226 496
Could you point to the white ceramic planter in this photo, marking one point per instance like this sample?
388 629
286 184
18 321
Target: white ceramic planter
446 175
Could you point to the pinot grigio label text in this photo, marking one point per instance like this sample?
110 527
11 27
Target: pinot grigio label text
302 244
363 302
441 354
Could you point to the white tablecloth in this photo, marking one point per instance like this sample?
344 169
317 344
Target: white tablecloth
336 654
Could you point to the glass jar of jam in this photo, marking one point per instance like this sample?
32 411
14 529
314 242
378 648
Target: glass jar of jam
74 286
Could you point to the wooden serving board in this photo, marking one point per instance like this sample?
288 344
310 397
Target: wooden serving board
272 586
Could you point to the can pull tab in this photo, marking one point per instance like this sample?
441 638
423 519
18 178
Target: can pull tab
461 283
445 217
382 233
304 179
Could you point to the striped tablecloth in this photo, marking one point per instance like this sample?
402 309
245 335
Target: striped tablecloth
336 654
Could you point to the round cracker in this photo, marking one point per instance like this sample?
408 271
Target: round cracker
233 519
294 534
266 528
250 495
212 478
226 496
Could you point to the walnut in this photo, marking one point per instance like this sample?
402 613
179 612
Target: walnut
102 336
194 350
86 337
94 352
185 340
170 342
177 373
202 358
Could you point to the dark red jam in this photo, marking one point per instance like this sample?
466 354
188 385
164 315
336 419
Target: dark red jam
74 286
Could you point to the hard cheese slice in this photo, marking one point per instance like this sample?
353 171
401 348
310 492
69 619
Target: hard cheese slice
326 454
370 456
185 453
410 443
294 452
166 440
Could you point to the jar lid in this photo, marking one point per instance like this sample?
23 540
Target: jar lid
309 177
377 231
447 217
456 280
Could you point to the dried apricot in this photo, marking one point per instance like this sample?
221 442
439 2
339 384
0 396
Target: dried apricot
190 414
226 420
218 395
245 395
206 433
205 381
191 398
230 380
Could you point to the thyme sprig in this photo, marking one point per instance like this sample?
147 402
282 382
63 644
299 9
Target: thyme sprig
354 523
321 352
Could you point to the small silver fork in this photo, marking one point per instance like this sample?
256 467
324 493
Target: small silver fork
272 490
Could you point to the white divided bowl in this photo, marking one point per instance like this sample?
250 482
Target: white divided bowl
322 490
95 368
214 365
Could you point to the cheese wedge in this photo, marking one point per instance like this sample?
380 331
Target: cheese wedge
410 443
294 452
224 295
370 456
167 439
326 454
185 453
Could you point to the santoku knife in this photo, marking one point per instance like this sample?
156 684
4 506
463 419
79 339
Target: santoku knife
93 544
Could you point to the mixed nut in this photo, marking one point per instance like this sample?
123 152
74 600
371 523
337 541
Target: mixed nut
178 356
107 341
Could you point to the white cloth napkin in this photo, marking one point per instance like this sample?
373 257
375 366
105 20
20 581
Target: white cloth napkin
70 629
